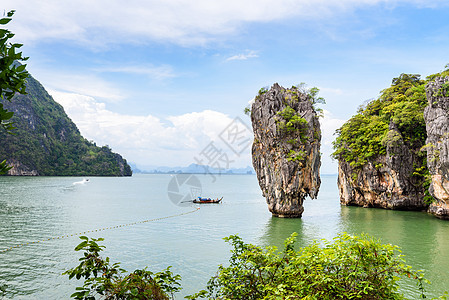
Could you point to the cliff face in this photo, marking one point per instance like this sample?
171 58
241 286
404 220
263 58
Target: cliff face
379 150
286 149
436 116
47 142
18 169
386 182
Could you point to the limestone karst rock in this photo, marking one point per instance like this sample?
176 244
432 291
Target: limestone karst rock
380 161
47 142
388 186
286 148
436 115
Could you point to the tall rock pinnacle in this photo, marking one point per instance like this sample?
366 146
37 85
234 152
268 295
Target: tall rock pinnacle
286 149
436 115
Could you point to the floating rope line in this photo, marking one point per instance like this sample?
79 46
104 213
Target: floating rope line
97 230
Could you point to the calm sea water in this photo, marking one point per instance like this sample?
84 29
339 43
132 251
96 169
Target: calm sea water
39 208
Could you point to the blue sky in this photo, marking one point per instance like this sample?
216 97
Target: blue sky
158 80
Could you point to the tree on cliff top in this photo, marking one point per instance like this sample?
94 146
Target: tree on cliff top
385 126
365 136
312 93
12 76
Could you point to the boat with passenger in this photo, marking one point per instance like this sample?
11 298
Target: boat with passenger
207 200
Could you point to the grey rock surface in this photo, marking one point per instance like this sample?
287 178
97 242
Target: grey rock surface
19 169
286 149
436 116
390 184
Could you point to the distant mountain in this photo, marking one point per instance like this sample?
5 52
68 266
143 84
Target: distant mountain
134 167
196 169
47 142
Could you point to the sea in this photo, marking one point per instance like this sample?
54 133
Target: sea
149 220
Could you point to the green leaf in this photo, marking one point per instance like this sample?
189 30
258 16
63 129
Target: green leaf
5 21
21 68
81 246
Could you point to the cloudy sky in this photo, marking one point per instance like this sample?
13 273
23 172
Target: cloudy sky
159 80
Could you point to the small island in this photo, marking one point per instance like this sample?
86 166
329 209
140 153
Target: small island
46 142
393 153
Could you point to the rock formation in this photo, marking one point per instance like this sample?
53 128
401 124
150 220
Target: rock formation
380 162
18 169
286 149
46 142
390 184
436 115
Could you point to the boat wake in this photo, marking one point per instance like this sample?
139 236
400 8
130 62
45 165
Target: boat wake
84 181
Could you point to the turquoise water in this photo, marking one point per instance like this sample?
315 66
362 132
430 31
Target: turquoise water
39 208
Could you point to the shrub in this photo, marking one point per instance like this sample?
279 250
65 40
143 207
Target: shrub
290 122
350 267
106 280
296 156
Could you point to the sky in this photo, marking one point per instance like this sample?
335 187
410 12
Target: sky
164 83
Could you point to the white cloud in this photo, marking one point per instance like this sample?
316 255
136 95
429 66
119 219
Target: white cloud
147 140
243 56
328 126
331 91
158 73
92 84
177 140
102 22
83 84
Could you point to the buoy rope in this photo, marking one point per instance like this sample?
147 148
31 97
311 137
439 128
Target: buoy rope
97 230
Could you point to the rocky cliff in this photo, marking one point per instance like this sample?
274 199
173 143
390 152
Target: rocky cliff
436 115
286 149
379 150
47 142
385 182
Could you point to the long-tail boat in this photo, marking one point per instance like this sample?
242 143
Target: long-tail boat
207 200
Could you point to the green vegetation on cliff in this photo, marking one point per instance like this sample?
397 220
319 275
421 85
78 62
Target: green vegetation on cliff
365 136
392 120
47 141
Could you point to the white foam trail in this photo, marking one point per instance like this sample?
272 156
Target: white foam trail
84 181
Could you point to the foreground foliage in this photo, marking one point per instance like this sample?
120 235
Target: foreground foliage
107 280
347 268
12 76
